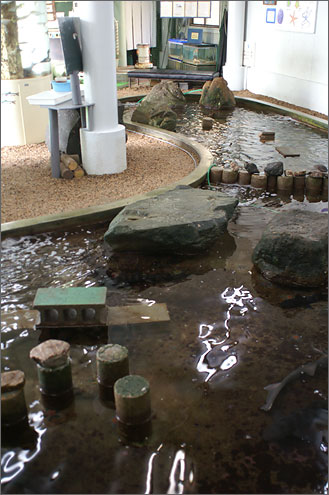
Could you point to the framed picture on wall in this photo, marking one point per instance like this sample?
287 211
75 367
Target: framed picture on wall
270 16
191 9
269 2
166 9
178 9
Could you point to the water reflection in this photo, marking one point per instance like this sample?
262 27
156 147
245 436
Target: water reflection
13 461
216 356
149 474
177 473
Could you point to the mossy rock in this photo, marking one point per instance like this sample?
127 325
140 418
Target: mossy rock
217 95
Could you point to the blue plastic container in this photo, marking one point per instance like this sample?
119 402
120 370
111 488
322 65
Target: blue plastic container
61 87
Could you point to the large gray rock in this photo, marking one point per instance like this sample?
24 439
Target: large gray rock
184 220
157 108
217 95
274 169
293 250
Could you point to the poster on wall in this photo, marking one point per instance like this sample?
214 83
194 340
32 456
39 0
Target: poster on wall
166 9
178 9
296 16
204 9
191 9
185 9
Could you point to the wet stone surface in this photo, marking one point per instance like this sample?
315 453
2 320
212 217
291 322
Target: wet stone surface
227 338
181 221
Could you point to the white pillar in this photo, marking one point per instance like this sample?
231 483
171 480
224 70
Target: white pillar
233 71
103 145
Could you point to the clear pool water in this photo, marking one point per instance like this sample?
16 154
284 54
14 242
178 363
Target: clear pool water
228 337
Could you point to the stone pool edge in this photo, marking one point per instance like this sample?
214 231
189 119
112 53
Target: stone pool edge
106 212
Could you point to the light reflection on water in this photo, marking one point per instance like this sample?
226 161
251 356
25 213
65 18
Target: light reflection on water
239 299
13 461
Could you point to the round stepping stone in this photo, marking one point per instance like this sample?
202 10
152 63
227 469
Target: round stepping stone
313 185
244 178
13 406
51 353
229 176
285 183
112 363
132 400
53 367
258 181
12 380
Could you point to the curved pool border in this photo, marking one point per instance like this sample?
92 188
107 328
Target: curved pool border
106 212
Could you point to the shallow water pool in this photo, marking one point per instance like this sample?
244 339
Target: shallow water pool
226 340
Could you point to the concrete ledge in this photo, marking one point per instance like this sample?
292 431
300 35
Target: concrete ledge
106 212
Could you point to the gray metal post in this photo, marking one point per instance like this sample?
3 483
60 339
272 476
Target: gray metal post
54 143
75 88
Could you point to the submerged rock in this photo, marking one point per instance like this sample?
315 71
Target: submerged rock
156 108
293 250
217 95
183 220
251 168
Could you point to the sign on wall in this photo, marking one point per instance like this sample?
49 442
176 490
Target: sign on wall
293 16
185 9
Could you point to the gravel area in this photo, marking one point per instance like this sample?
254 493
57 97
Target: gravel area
28 190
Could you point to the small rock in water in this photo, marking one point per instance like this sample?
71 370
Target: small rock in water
235 167
300 173
321 168
274 168
207 123
51 353
316 174
267 136
289 173
251 168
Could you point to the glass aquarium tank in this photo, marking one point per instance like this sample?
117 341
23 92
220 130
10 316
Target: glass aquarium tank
204 54
176 48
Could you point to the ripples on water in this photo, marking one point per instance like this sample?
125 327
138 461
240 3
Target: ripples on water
48 260
235 138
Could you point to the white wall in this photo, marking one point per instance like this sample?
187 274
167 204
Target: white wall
289 66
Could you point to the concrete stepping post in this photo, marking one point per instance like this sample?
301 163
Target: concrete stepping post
132 400
112 363
229 176
299 183
244 178
53 367
285 183
258 181
271 183
216 174
313 185
13 405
